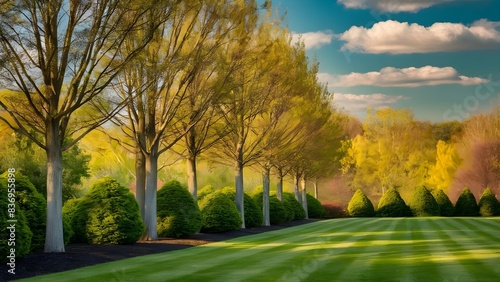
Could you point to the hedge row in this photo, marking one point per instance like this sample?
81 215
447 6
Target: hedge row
423 203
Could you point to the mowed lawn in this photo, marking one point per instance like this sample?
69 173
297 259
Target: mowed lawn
358 249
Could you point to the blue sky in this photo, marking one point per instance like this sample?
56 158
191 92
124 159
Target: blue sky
439 57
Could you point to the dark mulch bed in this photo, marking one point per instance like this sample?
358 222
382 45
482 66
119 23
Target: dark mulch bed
80 255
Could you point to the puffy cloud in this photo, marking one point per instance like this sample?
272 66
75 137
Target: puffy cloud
358 103
403 38
405 77
392 6
314 39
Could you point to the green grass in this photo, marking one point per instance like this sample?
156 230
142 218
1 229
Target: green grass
358 249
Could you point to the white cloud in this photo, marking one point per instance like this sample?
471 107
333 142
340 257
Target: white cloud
392 6
314 39
403 38
359 103
405 77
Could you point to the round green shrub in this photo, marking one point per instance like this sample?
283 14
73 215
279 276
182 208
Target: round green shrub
488 204
34 207
253 214
392 205
178 213
219 213
277 212
108 214
423 203
445 206
293 206
360 205
466 204
23 233
314 207
204 192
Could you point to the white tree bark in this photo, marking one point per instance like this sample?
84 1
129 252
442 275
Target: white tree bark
240 192
296 190
192 182
279 186
265 196
304 194
150 205
54 239
315 184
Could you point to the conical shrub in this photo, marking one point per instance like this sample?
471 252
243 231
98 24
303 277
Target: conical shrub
178 213
107 214
466 204
253 213
277 212
360 205
445 206
219 213
488 204
314 207
293 206
423 203
392 205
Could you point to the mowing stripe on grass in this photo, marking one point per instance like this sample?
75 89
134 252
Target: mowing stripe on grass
475 251
362 249
369 249
457 256
278 250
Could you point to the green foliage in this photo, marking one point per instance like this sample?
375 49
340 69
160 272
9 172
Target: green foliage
445 206
108 214
392 205
67 230
75 232
31 161
178 213
314 207
204 192
293 207
23 233
423 203
488 204
360 205
219 213
466 204
277 212
33 206
253 213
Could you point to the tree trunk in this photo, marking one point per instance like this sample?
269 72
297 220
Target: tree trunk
54 239
239 191
140 181
265 196
191 176
279 185
150 206
315 184
304 194
296 191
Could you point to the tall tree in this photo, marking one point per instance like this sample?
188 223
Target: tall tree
159 83
59 56
250 95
